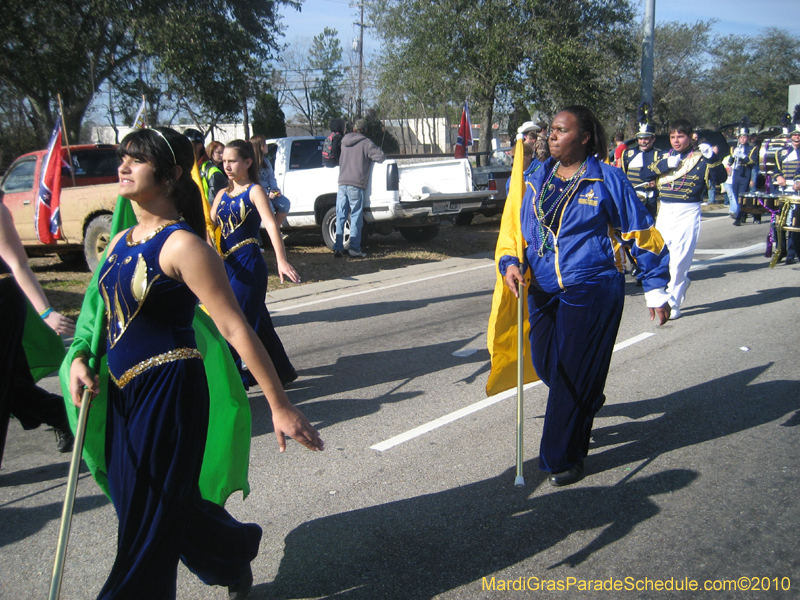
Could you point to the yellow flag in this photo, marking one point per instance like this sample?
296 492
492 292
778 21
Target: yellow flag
212 230
502 333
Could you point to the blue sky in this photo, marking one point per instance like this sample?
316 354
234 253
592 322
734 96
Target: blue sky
743 17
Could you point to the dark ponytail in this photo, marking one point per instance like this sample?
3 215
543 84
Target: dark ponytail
165 148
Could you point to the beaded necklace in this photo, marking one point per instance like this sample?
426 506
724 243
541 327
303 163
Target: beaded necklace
542 231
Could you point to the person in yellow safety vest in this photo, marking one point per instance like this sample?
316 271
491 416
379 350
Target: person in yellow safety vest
211 176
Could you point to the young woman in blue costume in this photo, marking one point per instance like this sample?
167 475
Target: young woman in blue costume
240 211
572 208
158 400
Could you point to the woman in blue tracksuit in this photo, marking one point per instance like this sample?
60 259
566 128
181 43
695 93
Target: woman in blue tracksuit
576 214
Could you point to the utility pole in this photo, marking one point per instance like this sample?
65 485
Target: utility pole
648 31
360 50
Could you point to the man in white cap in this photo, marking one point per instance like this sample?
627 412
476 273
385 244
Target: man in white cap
528 131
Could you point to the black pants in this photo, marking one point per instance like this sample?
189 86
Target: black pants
19 395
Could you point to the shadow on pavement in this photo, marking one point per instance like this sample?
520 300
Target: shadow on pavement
19 523
426 545
366 310
363 371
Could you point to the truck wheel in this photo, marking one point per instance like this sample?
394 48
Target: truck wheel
96 239
419 234
464 218
329 229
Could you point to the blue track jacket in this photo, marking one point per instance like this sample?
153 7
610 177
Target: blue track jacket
601 214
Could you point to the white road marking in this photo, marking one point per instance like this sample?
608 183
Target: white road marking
725 254
379 288
472 408
465 352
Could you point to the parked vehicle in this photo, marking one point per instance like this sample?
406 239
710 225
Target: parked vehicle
87 201
409 197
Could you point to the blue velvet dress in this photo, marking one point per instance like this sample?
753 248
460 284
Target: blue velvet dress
156 429
239 224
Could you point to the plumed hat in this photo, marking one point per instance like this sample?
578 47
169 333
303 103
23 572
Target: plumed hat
646 127
786 123
744 127
796 119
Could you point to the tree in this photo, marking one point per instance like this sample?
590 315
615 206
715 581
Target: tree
66 47
72 47
679 71
493 50
750 77
268 118
326 57
17 134
450 50
378 134
312 79
579 46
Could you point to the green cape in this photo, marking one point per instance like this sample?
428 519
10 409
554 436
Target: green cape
43 347
227 454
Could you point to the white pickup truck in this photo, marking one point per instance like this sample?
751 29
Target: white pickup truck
409 198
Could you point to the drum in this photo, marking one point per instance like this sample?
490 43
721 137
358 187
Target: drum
748 203
768 201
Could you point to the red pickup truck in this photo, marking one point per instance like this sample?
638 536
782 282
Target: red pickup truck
87 203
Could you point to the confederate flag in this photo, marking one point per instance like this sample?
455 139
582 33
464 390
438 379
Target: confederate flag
47 218
464 140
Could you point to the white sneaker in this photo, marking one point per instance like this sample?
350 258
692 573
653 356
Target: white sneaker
675 313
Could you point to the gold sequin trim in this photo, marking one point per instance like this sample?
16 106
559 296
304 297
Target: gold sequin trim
161 359
129 238
239 245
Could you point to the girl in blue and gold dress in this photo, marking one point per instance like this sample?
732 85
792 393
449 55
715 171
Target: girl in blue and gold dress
158 401
240 211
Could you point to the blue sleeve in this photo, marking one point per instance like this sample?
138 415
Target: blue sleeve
505 262
637 230
269 175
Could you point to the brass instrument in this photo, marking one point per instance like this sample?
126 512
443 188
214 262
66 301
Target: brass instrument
788 220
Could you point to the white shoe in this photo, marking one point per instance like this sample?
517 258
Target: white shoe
675 313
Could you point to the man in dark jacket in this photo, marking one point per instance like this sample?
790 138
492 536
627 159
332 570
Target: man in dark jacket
355 165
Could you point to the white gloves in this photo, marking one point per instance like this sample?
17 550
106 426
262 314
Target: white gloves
705 150
673 161
739 152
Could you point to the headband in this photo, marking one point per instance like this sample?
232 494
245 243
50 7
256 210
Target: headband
161 135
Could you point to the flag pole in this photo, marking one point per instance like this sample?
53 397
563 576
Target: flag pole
520 480
69 500
66 140
77 454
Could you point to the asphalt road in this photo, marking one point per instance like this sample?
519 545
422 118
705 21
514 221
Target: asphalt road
692 474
